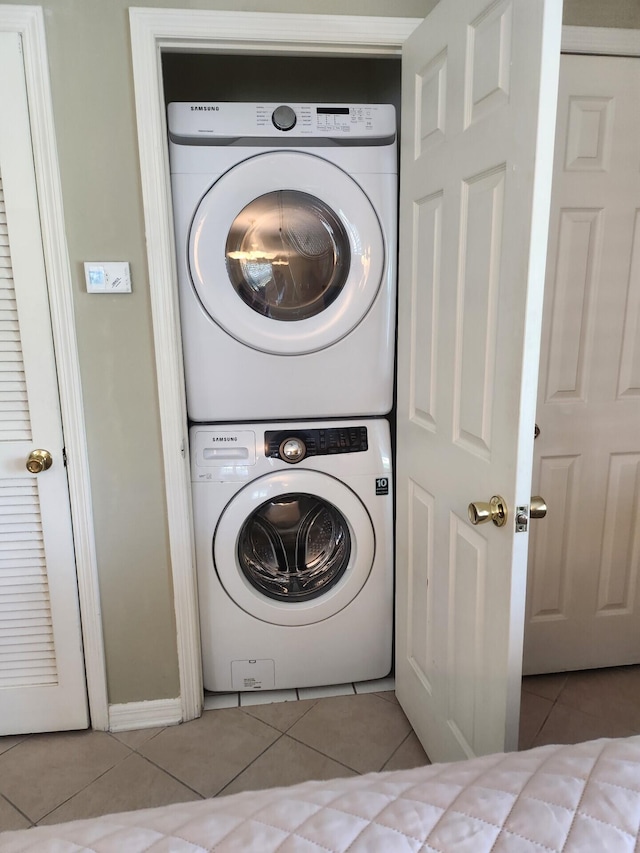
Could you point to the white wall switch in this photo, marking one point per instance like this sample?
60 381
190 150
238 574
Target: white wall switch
107 277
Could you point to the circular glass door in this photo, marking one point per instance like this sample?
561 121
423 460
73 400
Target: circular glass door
286 253
294 548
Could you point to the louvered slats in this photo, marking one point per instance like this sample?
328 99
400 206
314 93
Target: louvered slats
27 653
15 424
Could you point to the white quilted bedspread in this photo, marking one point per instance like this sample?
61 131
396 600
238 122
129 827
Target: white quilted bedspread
553 798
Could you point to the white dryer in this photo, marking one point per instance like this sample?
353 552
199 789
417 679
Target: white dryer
294 533
285 221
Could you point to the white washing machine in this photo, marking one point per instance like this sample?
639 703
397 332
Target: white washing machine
294 532
285 220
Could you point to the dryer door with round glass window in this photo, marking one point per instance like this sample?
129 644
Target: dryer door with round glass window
294 548
286 253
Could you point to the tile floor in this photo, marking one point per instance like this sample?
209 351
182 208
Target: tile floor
50 778
55 777
571 707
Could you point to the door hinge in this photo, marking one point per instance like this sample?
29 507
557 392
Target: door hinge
522 519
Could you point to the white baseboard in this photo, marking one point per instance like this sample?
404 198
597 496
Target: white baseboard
145 715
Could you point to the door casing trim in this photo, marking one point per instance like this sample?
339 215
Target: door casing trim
157 30
152 31
608 41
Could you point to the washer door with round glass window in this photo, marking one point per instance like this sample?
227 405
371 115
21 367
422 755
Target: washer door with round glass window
286 253
294 548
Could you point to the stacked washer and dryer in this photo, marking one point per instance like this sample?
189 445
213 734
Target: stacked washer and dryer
285 221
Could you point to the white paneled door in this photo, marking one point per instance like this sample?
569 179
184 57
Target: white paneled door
584 596
478 116
42 682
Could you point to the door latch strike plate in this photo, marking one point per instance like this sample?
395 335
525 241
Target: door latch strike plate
522 519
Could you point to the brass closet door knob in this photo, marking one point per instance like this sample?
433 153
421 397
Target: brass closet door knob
39 460
538 507
495 510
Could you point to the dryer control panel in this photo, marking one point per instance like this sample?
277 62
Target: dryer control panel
222 123
295 445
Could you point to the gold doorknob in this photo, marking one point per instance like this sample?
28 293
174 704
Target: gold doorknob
538 507
39 460
495 510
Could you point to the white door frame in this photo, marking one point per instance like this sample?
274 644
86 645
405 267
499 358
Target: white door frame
155 30
28 21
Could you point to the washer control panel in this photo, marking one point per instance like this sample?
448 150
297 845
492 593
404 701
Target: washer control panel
294 446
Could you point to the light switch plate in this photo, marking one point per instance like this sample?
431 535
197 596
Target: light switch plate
107 276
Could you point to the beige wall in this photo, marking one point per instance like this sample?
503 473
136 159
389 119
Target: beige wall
91 78
602 13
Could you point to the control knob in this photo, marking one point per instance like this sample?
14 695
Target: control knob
284 118
293 450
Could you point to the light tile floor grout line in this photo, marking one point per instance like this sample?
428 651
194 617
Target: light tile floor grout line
409 733
324 755
88 785
245 710
18 809
246 767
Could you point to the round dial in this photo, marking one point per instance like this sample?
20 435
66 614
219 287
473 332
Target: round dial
284 118
293 449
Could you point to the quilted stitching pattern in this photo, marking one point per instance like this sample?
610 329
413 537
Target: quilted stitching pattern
554 798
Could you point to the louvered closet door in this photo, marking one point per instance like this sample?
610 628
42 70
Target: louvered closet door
42 684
